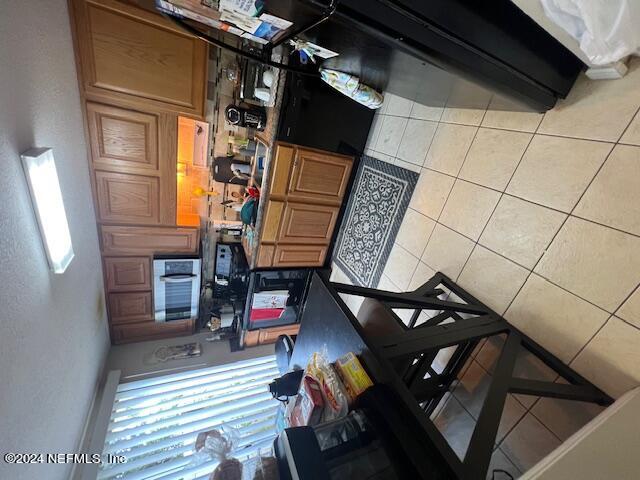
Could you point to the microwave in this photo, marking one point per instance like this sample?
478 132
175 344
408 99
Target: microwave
176 288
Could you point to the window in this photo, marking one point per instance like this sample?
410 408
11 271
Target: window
154 422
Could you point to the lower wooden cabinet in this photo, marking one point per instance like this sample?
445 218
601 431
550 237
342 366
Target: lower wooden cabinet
123 274
129 279
137 332
302 208
130 307
266 336
305 223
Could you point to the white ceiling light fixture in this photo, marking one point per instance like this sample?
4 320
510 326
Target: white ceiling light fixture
46 196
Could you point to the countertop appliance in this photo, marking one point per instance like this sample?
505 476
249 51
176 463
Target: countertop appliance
350 447
425 50
176 288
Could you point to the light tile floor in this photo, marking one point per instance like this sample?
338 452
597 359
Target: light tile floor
539 217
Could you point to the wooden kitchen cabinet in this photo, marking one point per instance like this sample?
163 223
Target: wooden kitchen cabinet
302 206
299 256
319 176
124 274
134 164
123 139
137 73
130 307
126 198
306 223
136 57
266 336
123 240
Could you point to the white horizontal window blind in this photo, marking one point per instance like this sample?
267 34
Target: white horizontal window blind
154 423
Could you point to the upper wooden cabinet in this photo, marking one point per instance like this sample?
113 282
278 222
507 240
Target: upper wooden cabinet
123 138
134 164
135 56
319 176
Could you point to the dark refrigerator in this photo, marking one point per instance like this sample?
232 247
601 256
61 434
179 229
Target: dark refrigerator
438 50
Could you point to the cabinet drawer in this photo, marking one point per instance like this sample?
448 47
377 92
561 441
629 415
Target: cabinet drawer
320 176
117 240
130 307
270 335
127 273
137 332
299 255
306 223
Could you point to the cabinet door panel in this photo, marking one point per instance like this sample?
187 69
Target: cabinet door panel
130 307
138 332
121 240
306 223
271 222
127 198
320 176
299 255
136 56
281 170
265 255
123 138
127 273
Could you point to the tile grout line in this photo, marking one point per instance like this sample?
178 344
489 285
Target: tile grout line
529 269
524 199
527 410
451 190
627 127
547 248
495 207
573 359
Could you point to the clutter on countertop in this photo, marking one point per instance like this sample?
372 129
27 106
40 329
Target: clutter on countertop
244 18
308 407
250 117
353 375
324 391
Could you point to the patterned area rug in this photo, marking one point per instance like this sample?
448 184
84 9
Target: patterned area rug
379 199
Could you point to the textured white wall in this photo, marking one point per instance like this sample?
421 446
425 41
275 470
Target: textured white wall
53 331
